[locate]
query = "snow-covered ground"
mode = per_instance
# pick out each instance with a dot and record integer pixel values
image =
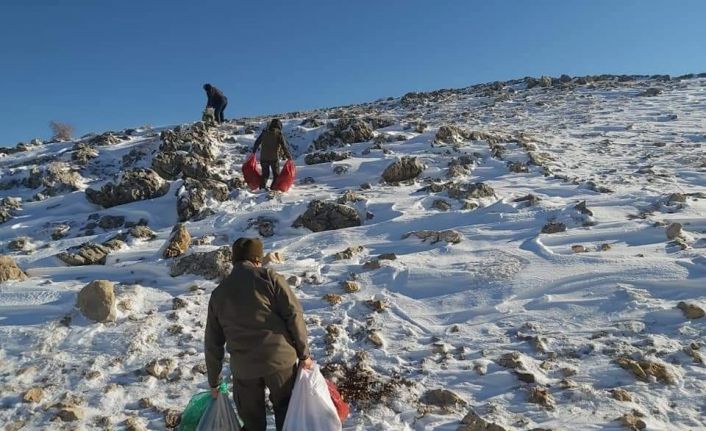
(442, 315)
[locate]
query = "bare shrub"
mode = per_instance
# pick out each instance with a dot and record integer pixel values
(61, 131)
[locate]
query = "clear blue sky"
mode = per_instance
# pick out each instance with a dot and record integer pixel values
(102, 64)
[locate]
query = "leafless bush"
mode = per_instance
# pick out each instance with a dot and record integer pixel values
(61, 131)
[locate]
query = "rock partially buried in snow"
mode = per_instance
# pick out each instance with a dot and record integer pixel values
(473, 422)
(321, 216)
(632, 420)
(435, 236)
(160, 368)
(348, 253)
(9, 270)
(214, 264)
(70, 414)
(33, 395)
(644, 369)
(135, 185)
(97, 301)
(345, 131)
(621, 395)
(408, 168)
(691, 311)
(172, 418)
(179, 242)
(541, 396)
(674, 231)
(273, 257)
(143, 232)
(554, 227)
(442, 398)
(325, 157)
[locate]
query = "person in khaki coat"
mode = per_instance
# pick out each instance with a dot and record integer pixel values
(272, 146)
(255, 314)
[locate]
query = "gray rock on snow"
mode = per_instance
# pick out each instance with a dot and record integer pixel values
(135, 185)
(97, 301)
(674, 231)
(407, 168)
(322, 216)
(326, 157)
(436, 236)
(215, 264)
(442, 398)
(9, 270)
(345, 131)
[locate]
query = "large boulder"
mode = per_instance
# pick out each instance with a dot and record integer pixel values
(97, 301)
(325, 157)
(167, 164)
(345, 131)
(407, 168)
(215, 264)
(9, 270)
(321, 216)
(135, 185)
(90, 253)
(179, 242)
(196, 139)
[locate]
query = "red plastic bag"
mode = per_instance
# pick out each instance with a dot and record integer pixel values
(285, 179)
(252, 172)
(341, 406)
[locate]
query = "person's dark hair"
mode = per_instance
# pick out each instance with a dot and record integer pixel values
(275, 124)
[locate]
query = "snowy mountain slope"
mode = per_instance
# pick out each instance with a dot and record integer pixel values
(529, 329)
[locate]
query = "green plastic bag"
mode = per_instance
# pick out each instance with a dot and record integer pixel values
(197, 406)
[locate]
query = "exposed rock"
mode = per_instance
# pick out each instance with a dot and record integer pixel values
(97, 301)
(179, 242)
(143, 232)
(473, 422)
(435, 236)
(408, 168)
(377, 305)
(134, 424)
(604, 247)
(70, 414)
(510, 360)
(470, 191)
(8, 208)
(375, 339)
(651, 92)
(194, 193)
(441, 205)
(215, 264)
(135, 185)
(531, 199)
(620, 395)
(442, 398)
(644, 369)
(449, 134)
(632, 421)
(172, 418)
(56, 177)
(349, 196)
(294, 281)
(340, 169)
(578, 248)
(387, 256)
(332, 298)
(322, 216)
(372, 265)
(345, 131)
(104, 139)
(676, 198)
(326, 157)
(691, 311)
(674, 231)
(348, 253)
(111, 222)
(179, 303)
(554, 227)
(160, 368)
(9, 270)
(469, 205)
(33, 395)
(273, 257)
(518, 167)
(197, 139)
(83, 153)
(167, 164)
(541, 396)
(89, 253)
(195, 166)
(350, 286)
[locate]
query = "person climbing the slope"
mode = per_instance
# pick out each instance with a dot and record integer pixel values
(216, 100)
(273, 146)
(260, 320)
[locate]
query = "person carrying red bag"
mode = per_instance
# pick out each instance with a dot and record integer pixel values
(273, 146)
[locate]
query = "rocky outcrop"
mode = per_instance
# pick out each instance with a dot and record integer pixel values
(56, 178)
(691, 311)
(9, 270)
(179, 242)
(325, 157)
(321, 216)
(473, 422)
(167, 165)
(345, 131)
(142, 232)
(97, 301)
(135, 185)
(214, 264)
(442, 398)
(407, 168)
(194, 194)
(196, 139)
(83, 153)
(643, 369)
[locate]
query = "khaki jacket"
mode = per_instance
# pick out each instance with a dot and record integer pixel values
(273, 145)
(259, 319)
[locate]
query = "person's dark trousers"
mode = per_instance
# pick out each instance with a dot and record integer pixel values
(267, 167)
(249, 396)
(218, 112)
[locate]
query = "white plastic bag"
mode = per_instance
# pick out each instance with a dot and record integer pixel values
(220, 416)
(311, 407)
